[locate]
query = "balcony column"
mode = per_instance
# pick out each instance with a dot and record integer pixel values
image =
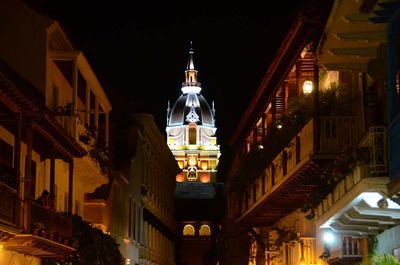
(75, 86)
(106, 129)
(273, 111)
(285, 96)
(87, 104)
(96, 113)
(27, 179)
(17, 162)
(264, 125)
(17, 151)
(70, 186)
(298, 79)
(52, 178)
(28, 162)
(316, 108)
(255, 135)
(391, 53)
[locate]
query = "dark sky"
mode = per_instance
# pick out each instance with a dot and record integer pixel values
(138, 49)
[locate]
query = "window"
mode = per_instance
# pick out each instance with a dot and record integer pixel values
(188, 230)
(192, 135)
(33, 176)
(192, 173)
(204, 230)
(6, 161)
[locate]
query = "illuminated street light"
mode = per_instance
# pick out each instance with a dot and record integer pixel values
(307, 87)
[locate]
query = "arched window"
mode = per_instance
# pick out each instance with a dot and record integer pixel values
(192, 135)
(204, 230)
(188, 230)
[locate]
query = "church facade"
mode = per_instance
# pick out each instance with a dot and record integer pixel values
(191, 136)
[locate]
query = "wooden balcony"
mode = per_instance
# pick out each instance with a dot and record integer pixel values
(75, 127)
(10, 206)
(348, 250)
(353, 207)
(285, 183)
(49, 235)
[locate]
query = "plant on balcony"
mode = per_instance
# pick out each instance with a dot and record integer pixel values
(262, 153)
(89, 134)
(66, 110)
(39, 229)
(94, 247)
(332, 174)
(100, 155)
(334, 101)
(380, 259)
(277, 237)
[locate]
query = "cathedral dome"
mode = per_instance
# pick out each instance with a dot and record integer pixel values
(191, 106)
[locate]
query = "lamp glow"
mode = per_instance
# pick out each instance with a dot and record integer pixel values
(307, 87)
(302, 261)
(328, 237)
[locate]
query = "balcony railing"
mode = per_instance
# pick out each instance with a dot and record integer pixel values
(335, 133)
(376, 142)
(9, 205)
(53, 222)
(75, 127)
(348, 247)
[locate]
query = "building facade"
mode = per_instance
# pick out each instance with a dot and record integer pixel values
(191, 136)
(323, 194)
(137, 205)
(53, 131)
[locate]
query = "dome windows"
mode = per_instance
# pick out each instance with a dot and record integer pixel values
(188, 230)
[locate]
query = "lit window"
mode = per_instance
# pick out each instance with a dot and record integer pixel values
(204, 230)
(192, 135)
(188, 230)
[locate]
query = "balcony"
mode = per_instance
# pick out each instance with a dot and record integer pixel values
(348, 250)
(293, 174)
(357, 206)
(75, 127)
(9, 206)
(50, 234)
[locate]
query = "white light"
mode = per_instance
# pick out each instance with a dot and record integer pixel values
(307, 87)
(191, 89)
(372, 198)
(328, 237)
(128, 261)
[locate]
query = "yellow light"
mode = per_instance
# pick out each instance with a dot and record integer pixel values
(204, 165)
(180, 164)
(128, 261)
(1, 246)
(302, 261)
(192, 161)
(307, 87)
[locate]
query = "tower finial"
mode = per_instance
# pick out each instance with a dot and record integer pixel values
(190, 65)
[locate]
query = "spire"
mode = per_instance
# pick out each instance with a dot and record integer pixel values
(190, 64)
(191, 85)
(168, 111)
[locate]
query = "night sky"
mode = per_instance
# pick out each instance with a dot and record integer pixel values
(139, 49)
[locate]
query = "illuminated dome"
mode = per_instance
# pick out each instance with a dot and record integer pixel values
(191, 106)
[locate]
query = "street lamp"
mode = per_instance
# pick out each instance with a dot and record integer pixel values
(307, 87)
